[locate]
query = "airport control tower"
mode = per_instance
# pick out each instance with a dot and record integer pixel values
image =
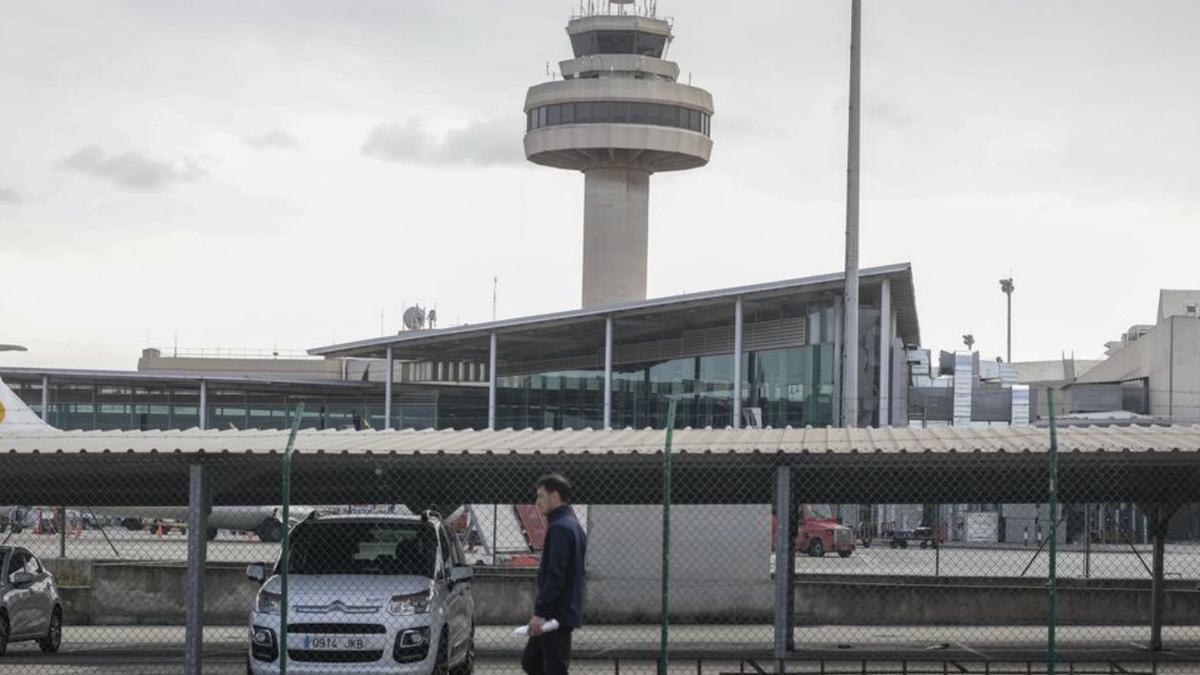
(618, 115)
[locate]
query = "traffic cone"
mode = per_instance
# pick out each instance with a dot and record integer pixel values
(160, 529)
(78, 531)
(37, 525)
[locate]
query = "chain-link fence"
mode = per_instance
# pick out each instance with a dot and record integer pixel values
(426, 560)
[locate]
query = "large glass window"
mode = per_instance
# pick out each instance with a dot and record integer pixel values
(618, 112)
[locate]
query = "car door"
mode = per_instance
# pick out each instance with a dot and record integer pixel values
(41, 599)
(18, 597)
(454, 600)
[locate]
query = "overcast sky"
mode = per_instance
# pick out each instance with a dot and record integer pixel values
(277, 174)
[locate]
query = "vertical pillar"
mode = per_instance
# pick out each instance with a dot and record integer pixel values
(850, 354)
(1159, 523)
(198, 508)
(885, 353)
(608, 371)
(737, 363)
(492, 382)
(46, 399)
(785, 562)
(202, 412)
(389, 372)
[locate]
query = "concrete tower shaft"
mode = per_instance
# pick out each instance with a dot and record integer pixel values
(618, 115)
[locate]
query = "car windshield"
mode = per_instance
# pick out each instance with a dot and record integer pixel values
(820, 511)
(384, 548)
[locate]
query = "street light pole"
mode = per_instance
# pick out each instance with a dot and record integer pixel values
(850, 332)
(1006, 285)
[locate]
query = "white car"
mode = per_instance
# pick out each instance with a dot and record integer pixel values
(367, 594)
(30, 606)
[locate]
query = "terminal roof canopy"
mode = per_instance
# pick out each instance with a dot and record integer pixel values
(572, 333)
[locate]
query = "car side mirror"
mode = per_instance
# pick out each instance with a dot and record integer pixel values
(461, 573)
(20, 578)
(256, 572)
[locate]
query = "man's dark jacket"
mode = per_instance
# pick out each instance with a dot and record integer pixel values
(560, 575)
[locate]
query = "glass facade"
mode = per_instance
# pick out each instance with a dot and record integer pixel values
(788, 386)
(617, 112)
(618, 42)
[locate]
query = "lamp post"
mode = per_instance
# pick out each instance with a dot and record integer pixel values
(1006, 285)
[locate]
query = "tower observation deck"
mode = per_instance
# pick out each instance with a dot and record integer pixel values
(618, 115)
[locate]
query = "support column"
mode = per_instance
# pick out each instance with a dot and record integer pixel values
(737, 363)
(389, 372)
(885, 353)
(202, 412)
(785, 563)
(199, 505)
(608, 371)
(46, 399)
(492, 382)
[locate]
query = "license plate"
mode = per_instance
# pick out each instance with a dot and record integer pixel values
(338, 643)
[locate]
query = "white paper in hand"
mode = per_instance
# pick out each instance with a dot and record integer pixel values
(549, 626)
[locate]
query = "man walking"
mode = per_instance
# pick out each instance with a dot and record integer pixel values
(560, 582)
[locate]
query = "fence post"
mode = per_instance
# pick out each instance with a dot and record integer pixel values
(666, 542)
(1160, 516)
(785, 562)
(199, 504)
(1052, 656)
(285, 554)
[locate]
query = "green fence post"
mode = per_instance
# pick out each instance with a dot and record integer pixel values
(666, 541)
(1052, 656)
(285, 555)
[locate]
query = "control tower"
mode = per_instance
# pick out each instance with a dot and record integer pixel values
(618, 115)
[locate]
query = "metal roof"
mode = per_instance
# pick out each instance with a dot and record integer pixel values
(176, 376)
(903, 301)
(1087, 439)
(444, 469)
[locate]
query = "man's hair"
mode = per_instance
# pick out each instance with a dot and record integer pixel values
(556, 482)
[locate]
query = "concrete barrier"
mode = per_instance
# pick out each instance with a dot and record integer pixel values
(152, 593)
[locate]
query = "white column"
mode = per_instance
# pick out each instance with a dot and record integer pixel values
(885, 353)
(202, 415)
(608, 371)
(389, 372)
(492, 382)
(737, 363)
(46, 399)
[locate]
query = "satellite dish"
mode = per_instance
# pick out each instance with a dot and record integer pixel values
(414, 317)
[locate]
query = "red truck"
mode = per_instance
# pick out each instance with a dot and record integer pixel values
(819, 532)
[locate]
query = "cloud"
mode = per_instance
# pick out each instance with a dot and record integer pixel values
(494, 142)
(130, 169)
(9, 196)
(274, 140)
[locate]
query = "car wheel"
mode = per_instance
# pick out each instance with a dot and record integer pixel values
(270, 531)
(441, 665)
(212, 533)
(53, 639)
(816, 548)
(3, 633)
(845, 554)
(467, 667)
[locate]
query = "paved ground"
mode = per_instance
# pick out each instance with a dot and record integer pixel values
(1109, 561)
(152, 650)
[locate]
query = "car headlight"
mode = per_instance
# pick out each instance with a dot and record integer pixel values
(268, 603)
(414, 603)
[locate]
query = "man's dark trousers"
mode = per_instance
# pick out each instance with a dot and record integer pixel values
(548, 653)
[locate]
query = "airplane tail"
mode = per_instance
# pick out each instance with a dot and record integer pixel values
(15, 416)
